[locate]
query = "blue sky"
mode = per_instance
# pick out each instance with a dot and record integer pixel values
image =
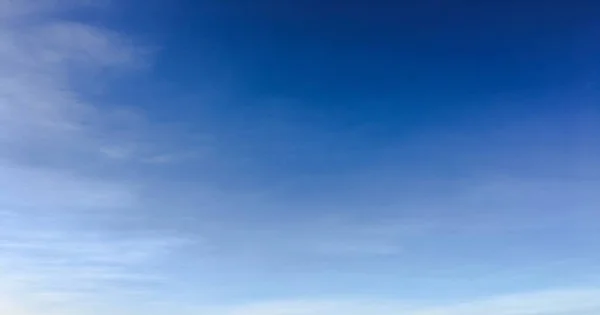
(299, 157)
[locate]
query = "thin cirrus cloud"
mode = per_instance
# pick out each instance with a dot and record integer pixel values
(56, 247)
(84, 228)
(568, 302)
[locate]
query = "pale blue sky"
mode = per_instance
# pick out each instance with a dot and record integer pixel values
(284, 158)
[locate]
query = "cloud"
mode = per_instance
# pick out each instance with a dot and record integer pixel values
(344, 238)
(317, 307)
(43, 188)
(12, 10)
(44, 60)
(62, 215)
(559, 302)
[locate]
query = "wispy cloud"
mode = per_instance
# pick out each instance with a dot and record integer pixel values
(562, 302)
(56, 206)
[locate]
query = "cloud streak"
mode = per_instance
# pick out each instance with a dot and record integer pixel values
(558, 302)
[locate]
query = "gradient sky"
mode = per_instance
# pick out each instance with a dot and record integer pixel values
(433, 157)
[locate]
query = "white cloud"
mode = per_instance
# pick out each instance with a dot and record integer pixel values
(563, 302)
(42, 188)
(11, 10)
(41, 58)
(560, 302)
(57, 244)
(342, 238)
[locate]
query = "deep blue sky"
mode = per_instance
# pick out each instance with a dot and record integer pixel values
(320, 51)
(368, 74)
(410, 63)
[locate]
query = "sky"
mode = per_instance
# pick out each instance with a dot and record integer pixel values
(436, 157)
